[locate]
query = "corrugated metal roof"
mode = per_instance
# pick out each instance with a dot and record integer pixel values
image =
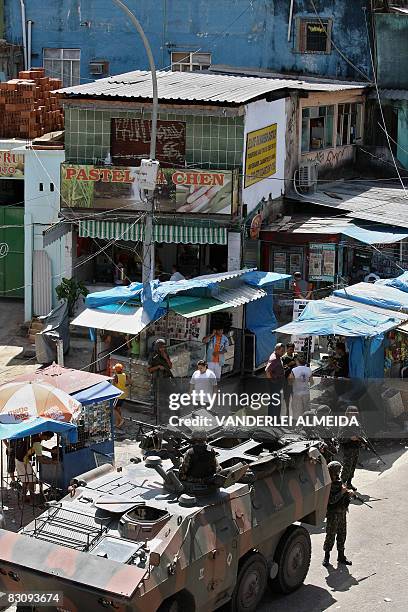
(302, 224)
(197, 87)
(238, 296)
(384, 202)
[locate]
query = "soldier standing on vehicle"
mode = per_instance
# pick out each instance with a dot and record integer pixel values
(199, 463)
(336, 517)
(350, 442)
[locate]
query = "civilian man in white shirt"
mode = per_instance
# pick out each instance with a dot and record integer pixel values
(301, 378)
(203, 383)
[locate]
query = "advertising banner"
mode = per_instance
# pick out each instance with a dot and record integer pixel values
(179, 191)
(11, 165)
(322, 262)
(260, 154)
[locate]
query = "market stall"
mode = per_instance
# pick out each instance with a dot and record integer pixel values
(94, 440)
(182, 313)
(370, 318)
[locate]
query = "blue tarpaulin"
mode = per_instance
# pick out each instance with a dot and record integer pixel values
(372, 294)
(113, 295)
(101, 392)
(257, 278)
(322, 318)
(35, 425)
(261, 321)
(401, 282)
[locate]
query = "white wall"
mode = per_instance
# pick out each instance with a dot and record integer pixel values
(259, 115)
(41, 210)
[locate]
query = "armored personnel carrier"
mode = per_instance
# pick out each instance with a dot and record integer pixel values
(138, 539)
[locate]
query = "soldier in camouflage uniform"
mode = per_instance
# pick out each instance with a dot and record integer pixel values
(199, 463)
(336, 517)
(351, 449)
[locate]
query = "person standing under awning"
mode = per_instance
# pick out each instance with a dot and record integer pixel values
(217, 345)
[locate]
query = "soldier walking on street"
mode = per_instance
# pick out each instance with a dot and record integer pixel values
(336, 525)
(351, 449)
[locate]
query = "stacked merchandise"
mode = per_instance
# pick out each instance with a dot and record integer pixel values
(28, 108)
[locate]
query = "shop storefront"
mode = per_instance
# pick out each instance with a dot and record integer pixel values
(125, 330)
(11, 223)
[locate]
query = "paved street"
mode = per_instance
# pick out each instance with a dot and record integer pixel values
(377, 544)
(377, 539)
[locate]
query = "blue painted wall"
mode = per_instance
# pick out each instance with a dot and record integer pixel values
(244, 33)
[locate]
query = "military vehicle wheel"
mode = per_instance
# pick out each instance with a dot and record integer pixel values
(173, 604)
(293, 558)
(251, 584)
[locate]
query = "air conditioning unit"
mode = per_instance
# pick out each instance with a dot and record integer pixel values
(99, 68)
(307, 177)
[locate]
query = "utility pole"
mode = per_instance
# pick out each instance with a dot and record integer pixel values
(148, 244)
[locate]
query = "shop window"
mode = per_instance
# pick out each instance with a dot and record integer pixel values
(349, 121)
(63, 64)
(317, 128)
(190, 61)
(314, 35)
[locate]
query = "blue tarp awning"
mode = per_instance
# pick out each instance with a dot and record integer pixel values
(372, 294)
(257, 278)
(401, 282)
(103, 391)
(322, 318)
(115, 294)
(35, 425)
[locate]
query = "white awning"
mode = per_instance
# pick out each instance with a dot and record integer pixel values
(125, 319)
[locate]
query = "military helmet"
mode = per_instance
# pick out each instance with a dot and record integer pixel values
(335, 466)
(323, 410)
(198, 435)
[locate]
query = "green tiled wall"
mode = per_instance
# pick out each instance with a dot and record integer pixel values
(211, 142)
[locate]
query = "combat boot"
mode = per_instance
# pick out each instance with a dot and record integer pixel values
(343, 559)
(326, 560)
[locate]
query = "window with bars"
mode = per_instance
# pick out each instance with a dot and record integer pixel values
(349, 121)
(190, 61)
(314, 35)
(317, 128)
(63, 64)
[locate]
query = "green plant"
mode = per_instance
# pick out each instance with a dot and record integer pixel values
(70, 290)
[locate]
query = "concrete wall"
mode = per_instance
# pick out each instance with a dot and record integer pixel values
(236, 32)
(41, 209)
(259, 115)
(391, 34)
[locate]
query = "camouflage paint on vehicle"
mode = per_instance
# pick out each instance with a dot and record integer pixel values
(191, 544)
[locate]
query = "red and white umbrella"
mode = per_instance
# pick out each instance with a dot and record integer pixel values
(22, 400)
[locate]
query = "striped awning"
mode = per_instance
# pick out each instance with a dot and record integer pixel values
(134, 232)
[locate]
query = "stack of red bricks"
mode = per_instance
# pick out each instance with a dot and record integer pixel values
(28, 108)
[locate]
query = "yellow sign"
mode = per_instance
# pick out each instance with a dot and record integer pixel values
(11, 165)
(260, 155)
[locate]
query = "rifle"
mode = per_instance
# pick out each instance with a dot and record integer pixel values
(369, 446)
(360, 499)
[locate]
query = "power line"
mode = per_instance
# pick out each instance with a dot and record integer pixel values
(379, 103)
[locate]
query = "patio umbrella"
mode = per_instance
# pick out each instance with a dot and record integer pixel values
(21, 400)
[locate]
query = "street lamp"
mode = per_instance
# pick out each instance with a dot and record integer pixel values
(148, 244)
